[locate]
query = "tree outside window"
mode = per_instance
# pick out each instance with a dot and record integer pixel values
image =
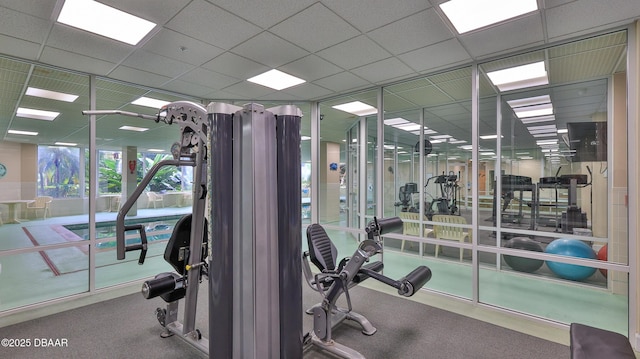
(58, 171)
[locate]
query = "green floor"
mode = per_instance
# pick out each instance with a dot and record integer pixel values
(26, 278)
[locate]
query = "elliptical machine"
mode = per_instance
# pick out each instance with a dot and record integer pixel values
(447, 201)
(405, 197)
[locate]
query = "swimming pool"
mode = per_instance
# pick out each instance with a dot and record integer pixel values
(157, 229)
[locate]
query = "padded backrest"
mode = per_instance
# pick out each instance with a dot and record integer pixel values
(322, 252)
(180, 239)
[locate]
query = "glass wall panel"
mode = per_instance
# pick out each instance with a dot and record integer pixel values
(38, 276)
(127, 148)
(545, 295)
(427, 126)
(42, 183)
(562, 179)
(345, 177)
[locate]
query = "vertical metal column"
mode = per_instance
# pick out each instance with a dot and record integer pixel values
(220, 153)
(257, 333)
(197, 235)
(289, 229)
(255, 305)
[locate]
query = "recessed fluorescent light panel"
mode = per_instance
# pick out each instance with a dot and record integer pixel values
(395, 121)
(534, 110)
(529, 101)
(53, 95)
(538, 119)
(518, 77)
(133, 128)
(26, 133)
(304, 138)
(150, 102)
(65, 144)
(276, 80)
(37, 114)
(357, 108)
(155, 150)
(468, 15)
(490, 137)
(104, 20)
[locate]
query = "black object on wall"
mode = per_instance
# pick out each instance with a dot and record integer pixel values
(587, 141)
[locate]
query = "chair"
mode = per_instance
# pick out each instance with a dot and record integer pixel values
(411, 228)
(42, 203)
(443, 230)
(155, 198)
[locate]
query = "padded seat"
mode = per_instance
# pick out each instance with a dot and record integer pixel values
(323, 254)
(594, 343)
(176, 252)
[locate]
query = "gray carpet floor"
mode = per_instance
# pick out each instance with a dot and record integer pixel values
(126, 328)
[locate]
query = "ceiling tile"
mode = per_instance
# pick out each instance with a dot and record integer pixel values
(36, 8)
(264, 13)
(446, 53)
(150, 62)
(66, 38)
(278, 96)
(136, 76)
(23, 26)
(342, 82)
(506, 37)
(182, 48)
(383, 70)
(310, 68)
(74, 61)
(149, 9)
(354, 52)
(248, 90)
(307, 91)
(209, 79)
(213, 25)
(416, 31)
(269, 50)
(367, 15)
(180, 86)
(19, 48)
(236, 66)
(327, 28)
(571, 19)
(222, 96)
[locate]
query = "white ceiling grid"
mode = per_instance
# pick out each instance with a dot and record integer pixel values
(208, 48)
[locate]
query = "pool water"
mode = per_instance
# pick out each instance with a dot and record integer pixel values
(156, 228)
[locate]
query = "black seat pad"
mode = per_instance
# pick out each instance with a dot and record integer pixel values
(594, 343)
(180, 238)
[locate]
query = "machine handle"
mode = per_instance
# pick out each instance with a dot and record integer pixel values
(138, 246)
(121, 227)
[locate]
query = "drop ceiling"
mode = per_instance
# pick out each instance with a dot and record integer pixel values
(207, 49)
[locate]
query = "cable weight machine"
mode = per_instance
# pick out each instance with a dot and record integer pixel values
(247, 168)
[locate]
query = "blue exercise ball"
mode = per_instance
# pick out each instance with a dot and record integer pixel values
(521, 264)
(571, 248)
